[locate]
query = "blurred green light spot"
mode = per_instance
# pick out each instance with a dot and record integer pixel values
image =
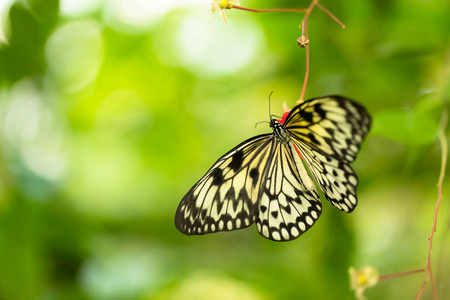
(74, 54)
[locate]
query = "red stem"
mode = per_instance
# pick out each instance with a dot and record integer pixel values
(401, 274)
(305, 31)
(270, 9)
(307, 12)
(444, 149)
(330, 14)
(305, 81)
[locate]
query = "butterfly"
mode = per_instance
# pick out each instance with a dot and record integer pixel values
(267, 179)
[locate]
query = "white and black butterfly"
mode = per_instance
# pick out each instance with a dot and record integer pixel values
(264, 181)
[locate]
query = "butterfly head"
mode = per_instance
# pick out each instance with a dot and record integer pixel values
(278, 130)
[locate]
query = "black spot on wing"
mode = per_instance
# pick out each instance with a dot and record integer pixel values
(230, 194)
(254, 175)
(322, 113)
(343, 152)
(243, 196)
(203, 214)
(287, 209)
(236, 160)
(220, 205)
(313, 139)
(217, 176)
(307, 116)
(331, 131)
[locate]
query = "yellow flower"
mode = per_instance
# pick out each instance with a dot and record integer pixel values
(221, 5)
(364, 278)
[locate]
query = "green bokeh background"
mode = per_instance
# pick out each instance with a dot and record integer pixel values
(111, 110)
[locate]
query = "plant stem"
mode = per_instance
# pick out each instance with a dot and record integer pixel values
(444, 150)
(305, 81)
(330, 14)
(401, 274)
(305, 32)
(271, 9)
(304, 26)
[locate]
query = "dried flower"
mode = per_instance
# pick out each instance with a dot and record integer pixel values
(221, 5)
(364, 278)
(303, 41)
(285, 114)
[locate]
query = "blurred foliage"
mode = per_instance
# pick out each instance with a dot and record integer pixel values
(111, 110)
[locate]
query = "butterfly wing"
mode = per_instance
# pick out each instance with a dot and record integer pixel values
(226, 197)
(328, 133)
(261, 180)
(289, 203)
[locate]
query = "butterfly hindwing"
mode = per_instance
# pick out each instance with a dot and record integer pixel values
(289, 203)
(337, 180)
(328, 133)
(225, 198)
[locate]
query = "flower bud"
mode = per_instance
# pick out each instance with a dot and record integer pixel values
(303, 41)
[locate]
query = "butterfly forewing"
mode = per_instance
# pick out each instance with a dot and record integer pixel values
(226, 197)
(333, 126)
(328, 133)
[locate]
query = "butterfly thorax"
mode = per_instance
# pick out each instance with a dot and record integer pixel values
(279, 131)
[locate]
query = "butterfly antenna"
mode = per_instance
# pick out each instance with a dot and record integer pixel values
(261, 122)
(270, 115)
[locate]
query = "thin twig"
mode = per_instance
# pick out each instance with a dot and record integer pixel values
(270, 9)
(304, 26)
(305, 81)
(330, 14)
(308, 12)
(433, 284)
(444, 149)
(299, 10)
(401, 274)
